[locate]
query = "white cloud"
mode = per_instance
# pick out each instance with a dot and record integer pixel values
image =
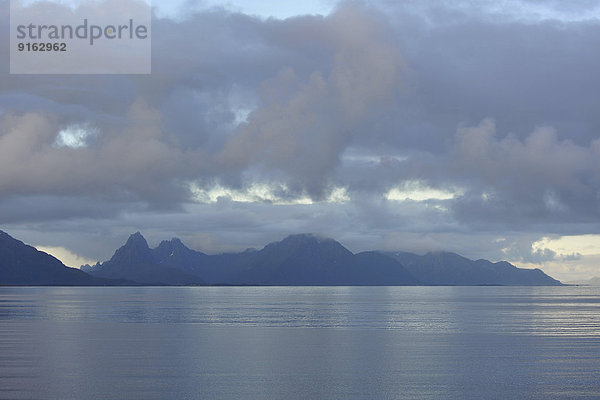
(75, 136)
(416, 190)
(272, 193)
(571, 258)
(588, 245)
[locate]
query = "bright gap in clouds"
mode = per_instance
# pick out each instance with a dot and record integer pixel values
(67, 257)
(575, 257)
(263, 8)
(280, 9)
(74, 136)
(261, 193)
(584, 245)
(73, 3)
(418, 191)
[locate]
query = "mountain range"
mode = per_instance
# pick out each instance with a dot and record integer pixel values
(135, 261)
(308, 259)
(443, 268)
(297, 260)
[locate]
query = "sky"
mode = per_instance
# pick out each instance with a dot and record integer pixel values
(419, 125)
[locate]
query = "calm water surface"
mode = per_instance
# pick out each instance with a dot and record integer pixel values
(300, 343)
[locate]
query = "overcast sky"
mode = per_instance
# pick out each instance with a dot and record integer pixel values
(418, 125)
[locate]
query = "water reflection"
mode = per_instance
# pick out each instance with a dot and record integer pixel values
(298, 343)
(516, 310)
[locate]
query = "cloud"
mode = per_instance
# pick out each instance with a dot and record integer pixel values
(132, 161)
(296, 128)
(262, 193)
(571, 257)
(416, 191)
(540, 178)
(303, 125)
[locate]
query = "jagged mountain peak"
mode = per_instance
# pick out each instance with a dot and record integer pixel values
(136, 239)
(137, 262)
(135, 250)
(171, 247)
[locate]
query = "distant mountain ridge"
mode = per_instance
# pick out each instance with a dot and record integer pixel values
(444, 268)
(305, 259)
(595, 281)
(297, 260)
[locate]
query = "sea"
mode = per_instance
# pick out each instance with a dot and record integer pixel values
(300, 343)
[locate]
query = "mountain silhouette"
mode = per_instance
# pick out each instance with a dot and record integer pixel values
(301, 259)
(444, 268)
(21, 264)
(135, 261)
(307, 259)
(214, 269)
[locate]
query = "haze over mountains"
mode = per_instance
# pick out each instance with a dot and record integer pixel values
(595, 281)
(302, 259)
